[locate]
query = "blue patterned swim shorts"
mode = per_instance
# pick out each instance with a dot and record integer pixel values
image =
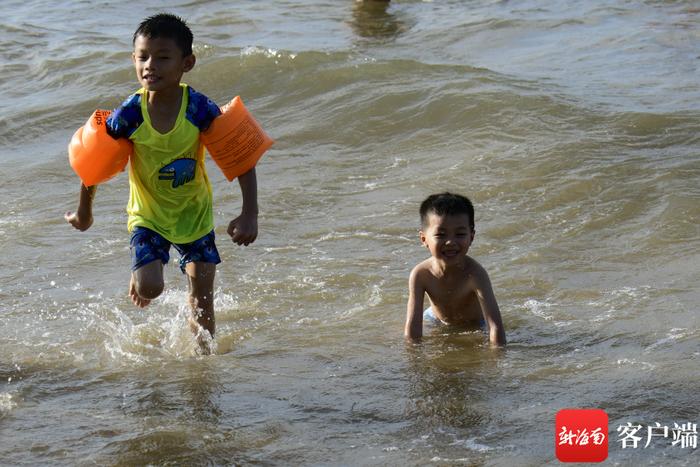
(147, 246)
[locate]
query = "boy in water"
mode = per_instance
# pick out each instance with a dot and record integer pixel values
(458, 287)
(170, 198)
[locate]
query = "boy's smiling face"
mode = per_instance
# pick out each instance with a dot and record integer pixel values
(447, 237)
(159, 63)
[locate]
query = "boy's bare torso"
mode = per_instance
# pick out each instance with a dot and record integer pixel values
(453, 291)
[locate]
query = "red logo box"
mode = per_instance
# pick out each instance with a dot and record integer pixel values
(581, 435)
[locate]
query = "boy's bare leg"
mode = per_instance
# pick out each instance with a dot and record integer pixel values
(146, 283)
(201, 279)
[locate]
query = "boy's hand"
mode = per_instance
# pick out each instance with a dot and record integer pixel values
(81, 223)
(244, 229)
(82, 218)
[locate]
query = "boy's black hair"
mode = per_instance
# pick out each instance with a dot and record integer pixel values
(169, 26)
(446, 204)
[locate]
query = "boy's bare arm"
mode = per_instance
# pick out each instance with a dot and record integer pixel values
(413, 328)
(489, 307)
(82, 219)
(244, 228)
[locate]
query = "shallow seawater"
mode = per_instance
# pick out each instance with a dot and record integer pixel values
(573, 128)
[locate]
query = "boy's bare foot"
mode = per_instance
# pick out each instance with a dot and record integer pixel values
(138, 300)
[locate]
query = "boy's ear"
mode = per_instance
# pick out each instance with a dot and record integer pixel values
(189, 62)
(422, 237)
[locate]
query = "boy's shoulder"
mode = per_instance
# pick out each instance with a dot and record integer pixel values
(473, 268)
(477, 276)
(425, 273)
(201, 110)
(422, 268)
(126, 118)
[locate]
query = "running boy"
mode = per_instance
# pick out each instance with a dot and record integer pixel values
(458, 287)
(170, 199)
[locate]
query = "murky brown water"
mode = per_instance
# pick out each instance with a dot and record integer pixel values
(574, 129)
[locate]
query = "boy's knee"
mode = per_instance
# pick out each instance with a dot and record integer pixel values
(149, 289)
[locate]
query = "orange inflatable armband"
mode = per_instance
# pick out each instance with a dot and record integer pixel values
(235, 140)
(94, 155)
